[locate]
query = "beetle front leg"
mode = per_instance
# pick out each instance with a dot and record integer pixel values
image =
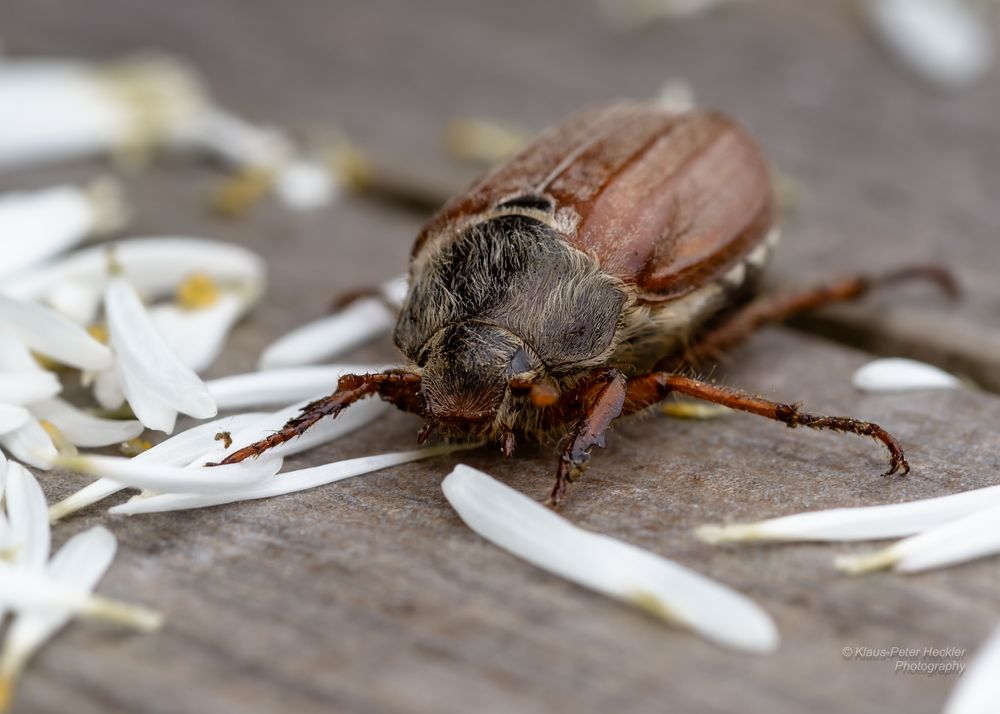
(649, 389)
(399, 388)
(602, 403)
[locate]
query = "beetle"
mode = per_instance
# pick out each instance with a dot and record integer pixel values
(580, 281)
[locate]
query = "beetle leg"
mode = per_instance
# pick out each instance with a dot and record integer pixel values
(649, 389)
(602, 403)
(399, 388)
(776, 308)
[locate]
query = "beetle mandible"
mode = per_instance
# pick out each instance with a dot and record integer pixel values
(581, 280)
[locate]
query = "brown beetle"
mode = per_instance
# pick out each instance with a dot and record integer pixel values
(573, 284)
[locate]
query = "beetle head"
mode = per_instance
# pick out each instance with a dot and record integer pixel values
(468, 369)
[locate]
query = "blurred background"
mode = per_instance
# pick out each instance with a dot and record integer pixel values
(884, 134)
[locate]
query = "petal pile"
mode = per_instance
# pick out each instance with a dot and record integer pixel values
(43, 594)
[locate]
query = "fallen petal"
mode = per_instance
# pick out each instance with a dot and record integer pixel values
(281, 386)
(197, 336)
(359, 322)
(27, 514)
(867, 523)
(354, 417)
(663, 588)
(942, 40)
(83, 429)
(978, 691)
(15, 355)
(147, 365)
(40, 224)
(27, 590)
(53, 335)
(156, 266)
(284, 483)
(968, 538)
(26, 387)
(179, 450)
(30, 444)
(12, 417)
(896, 374)
(172, 479)
(78, 566)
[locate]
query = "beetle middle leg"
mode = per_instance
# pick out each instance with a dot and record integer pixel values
(603, 401)
(776, 308)
(647, 390)
(396, 387)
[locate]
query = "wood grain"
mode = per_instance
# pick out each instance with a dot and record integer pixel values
(370, 595)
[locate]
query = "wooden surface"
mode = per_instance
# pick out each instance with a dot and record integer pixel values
(370, 595)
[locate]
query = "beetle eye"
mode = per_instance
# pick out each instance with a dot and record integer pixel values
(519, 362)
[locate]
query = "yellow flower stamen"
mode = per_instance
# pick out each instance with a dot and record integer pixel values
(351, 167)
(241, 191)
(99, 332)
(134, 447)
(197, 292)
(59, 440)
(481, 140)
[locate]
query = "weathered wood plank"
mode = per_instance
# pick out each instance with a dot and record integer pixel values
(371, 595)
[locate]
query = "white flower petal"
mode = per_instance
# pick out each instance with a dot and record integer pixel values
(147, 405)
(281, 386)
(178, 450)
(284, 483)
(27, 387)
(357, 323)
(942, 40)
(156, 266)
(240, 143)
(107, 388)
(157, 99)
(55, 336)
(83, 429)
(305, 185)
(78, 565)
(28, 515)
(146, 361)
(352, 418)
(896, 374)
(172, 479)
(27, 590)
(15, 355)
(30, 444)
(39, 224)
(12, 417)
(197, 336)
(978, 691)
(394, 290)
(868, 523)
(79, 302)
(970, 537)
(667, 590)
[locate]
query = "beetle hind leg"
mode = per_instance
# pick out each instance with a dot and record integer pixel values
(399, 388)
(649, 389)
(776, 308)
